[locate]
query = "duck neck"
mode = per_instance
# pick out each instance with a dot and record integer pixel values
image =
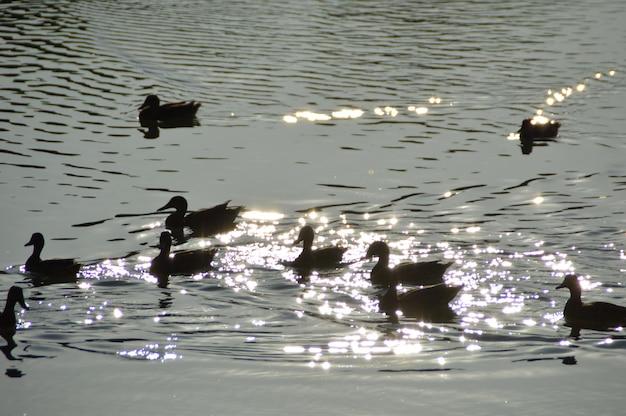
(36, 256)
(165, 246)
(389, 303)
(575, 296)
(9, 309)
(307, 245)
(383, 259)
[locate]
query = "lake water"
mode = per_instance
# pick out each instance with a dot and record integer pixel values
(367, 120)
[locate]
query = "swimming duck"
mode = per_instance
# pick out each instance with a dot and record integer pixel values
(324, 257)
(8, 321)
(429, 304)
(591, 315)
(151, 109)
(207, 221)
(420, 273)
(182, 262)
(539, 127)
(52, 270)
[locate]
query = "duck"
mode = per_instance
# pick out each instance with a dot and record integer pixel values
(420, 273)
(324, 257)
(52, 270)
(183, 262)
(8, 321)
(589, 315)
(429, 304)
(539, 127)
(152, 110)
(207, 221)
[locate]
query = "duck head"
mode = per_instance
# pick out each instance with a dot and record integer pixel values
(36, 240)
(178, 202)
(16, 295)
(305, 235)
(152, 101)
(165, 242)
(378, 249)
(571, 282)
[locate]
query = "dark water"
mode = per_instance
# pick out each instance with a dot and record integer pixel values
(369, 121)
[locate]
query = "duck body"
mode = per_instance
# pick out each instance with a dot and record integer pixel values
(183, 262)
(430, 304)
(420, 273)
(152, 110)
(590, 315)
(539, 128)
(321, 258)
(208, 221)
(8, 322)
(52, 270)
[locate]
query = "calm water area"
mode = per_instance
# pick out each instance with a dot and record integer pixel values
(369, 120)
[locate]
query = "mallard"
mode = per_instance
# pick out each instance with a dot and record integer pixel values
(207, 221)
(181, 262)
(324, 257)
(8, 321)
(52, 270)
(151, 109)
(590, 315)
(539, 127)
(420, 273)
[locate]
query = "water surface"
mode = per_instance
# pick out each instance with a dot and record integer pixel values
(367, 120)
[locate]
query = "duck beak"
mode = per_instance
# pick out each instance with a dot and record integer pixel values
(166, 206)
(30, 243)
(561, 286)
(22, 302)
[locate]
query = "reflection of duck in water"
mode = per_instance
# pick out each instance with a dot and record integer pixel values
(52, 270)
(182, 262)
(151, 109)
(420, 273)
(591, 315)
(207, 221)
(8, 322)
(538, 128)
(324, 257)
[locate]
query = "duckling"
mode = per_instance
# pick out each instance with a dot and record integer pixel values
(539, 127)
(590, 315)
(421, 273)
(182, 262)
(52, 270)
(151, 109)
(324, 257)
(207, 221)
(430, 304)
(8, 321)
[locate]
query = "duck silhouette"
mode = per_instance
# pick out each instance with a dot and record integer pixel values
(539, 127)
(429, 304)
(204, 222)
(590, 315)
(324, 257)
(52, 270)
(420, 273)
(152, 110)
(183, 262)
(8, 322)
